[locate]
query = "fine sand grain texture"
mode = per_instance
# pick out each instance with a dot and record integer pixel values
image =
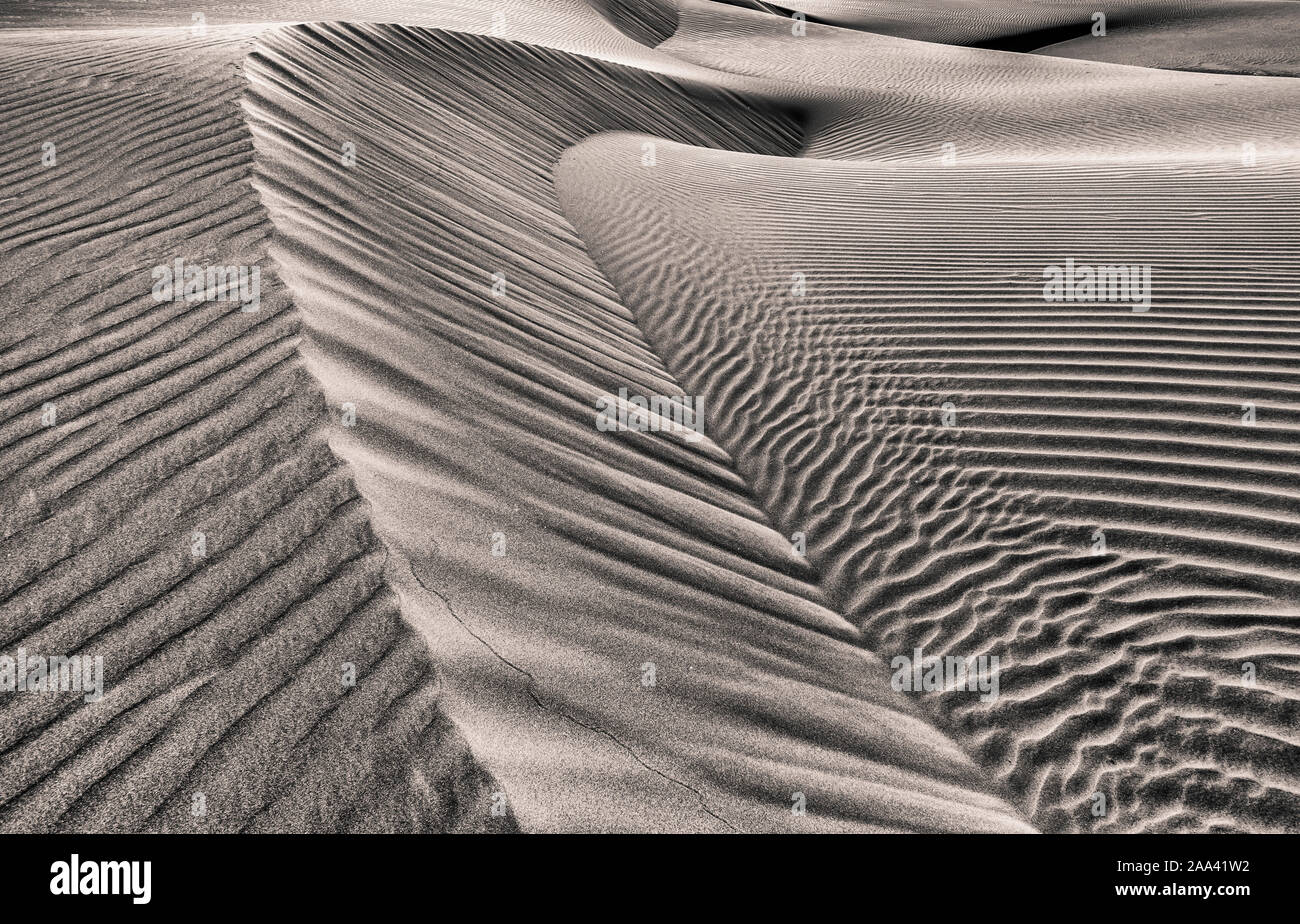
(476, 410)
(1096, 512)
(169, 500)
(358, 554)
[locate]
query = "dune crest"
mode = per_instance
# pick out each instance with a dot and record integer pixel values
(1221, 36)
(601, 415)
(170, 504)
(624, 556)
(1084, 490)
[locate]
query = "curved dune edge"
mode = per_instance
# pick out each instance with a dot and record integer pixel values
(169, 501)
(622, 553)
(201, 715)
(224, 430)
(1122, 665)
(649, 22)
(886, 99)
(1124, 668)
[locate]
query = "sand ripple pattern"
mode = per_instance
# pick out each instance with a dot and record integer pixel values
(223, 672)
(1123, 667)
(476, 409)
(466, 240)
(892, 99)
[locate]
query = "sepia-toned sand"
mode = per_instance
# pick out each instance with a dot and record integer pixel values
(473, 220)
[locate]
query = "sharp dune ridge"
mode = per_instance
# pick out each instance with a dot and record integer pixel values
(360, 559)
(689, 566)
(171, 421)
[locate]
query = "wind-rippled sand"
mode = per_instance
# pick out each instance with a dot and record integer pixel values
(475, 219)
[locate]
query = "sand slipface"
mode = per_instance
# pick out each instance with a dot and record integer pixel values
(600, 415)
(663, 651)
(170, 505)
(987, 466)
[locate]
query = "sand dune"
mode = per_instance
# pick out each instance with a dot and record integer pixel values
(649, 552)
(1225, 36)
(222, 670)
(473, 221)
(924, 286)
(978, 538)
(917, 97)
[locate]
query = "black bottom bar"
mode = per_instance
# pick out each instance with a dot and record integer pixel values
(952, 874)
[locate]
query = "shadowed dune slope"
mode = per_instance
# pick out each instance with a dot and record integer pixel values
(1223, 38)
(1097, 511)
(621, 28)
(893, 99)
(464, 242)
(644, 651)
(647, 21)
(168, 501)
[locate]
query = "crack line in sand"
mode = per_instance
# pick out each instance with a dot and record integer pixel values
(560, 712)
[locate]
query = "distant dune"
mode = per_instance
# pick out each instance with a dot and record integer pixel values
(359, 554)
(1225, 36)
